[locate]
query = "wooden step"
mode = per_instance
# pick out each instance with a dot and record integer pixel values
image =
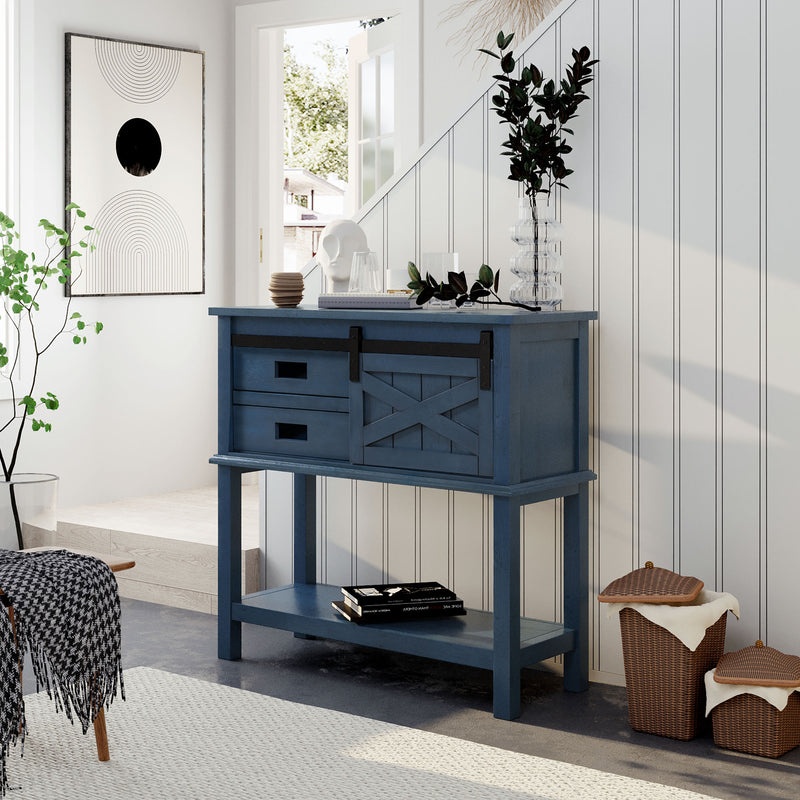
(171, 538)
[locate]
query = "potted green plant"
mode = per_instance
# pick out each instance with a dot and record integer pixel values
(25, 282)
(537, 112)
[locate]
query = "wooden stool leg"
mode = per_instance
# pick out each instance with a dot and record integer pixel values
(100, 734)
(101, 737)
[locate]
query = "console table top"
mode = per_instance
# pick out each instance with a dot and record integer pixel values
(493, 316)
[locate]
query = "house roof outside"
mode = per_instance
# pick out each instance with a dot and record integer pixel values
(297, 180)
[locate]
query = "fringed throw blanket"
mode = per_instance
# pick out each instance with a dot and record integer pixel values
(67, 615)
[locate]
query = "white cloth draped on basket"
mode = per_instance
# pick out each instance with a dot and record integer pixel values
(67, 616)
(685, 621)
(716, 693)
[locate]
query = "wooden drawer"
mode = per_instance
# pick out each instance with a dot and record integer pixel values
(257, 369)
(291, 431)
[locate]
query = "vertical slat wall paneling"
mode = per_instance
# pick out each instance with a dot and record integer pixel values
(468, 548)
(262, 533)
(741, 346)
(577, 215)
(698, 288)
(719, 315)
(372, 225)
(594, 351)
(434, 199)
(676, 285)
(783, 302)
(488, 549)
(369, 533)
(401, 533)
(655, 110)
(678, 228)
(340, 555)
(322, 562)
(539, 559)
(763, 307)
(614, 551)
(434, 536)
(577, 206)
(401, 226)
(635, 284)
(279, 517)
(468, 189)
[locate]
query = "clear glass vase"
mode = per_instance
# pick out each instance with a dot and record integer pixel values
(537, 263)
(28, 510)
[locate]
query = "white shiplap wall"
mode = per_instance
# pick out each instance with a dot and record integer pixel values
(680, 229)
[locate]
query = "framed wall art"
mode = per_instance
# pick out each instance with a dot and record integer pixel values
(135, 126)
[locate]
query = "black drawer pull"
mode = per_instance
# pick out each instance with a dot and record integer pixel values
(297, 370)
(290, 430)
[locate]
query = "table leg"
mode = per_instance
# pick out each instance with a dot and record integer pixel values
(576, 587)
(229, 583)
(305, 528)
(506, 667)
(305, 532)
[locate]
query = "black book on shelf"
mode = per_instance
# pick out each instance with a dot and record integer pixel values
(377, 594)
(402, 613)
(405, 609)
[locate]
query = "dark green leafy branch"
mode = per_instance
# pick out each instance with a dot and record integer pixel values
(457, 288)
(537, 111)
(23, 278)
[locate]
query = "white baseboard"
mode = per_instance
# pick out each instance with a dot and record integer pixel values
(612, 678)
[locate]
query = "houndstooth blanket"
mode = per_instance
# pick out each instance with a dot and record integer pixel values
(67, 616)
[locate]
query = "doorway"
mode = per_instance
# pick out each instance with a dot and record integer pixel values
(317, 95)
(259, 176)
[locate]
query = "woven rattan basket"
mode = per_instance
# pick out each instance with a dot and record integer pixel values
(663, 677)
(750, 724)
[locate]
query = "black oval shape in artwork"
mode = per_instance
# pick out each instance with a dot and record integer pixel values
(138, 147)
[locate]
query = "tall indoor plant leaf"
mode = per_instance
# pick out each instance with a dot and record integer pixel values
(24, 282)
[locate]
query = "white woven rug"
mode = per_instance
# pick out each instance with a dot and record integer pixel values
(178, 738)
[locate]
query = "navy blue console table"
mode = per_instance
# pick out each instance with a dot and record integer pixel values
(478, 401)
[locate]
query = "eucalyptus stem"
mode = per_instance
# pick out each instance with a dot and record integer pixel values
(15, 511)
(500, 302)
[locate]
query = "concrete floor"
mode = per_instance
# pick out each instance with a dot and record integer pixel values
(590, 729)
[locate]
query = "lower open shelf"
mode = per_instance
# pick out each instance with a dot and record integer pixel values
(468, 639)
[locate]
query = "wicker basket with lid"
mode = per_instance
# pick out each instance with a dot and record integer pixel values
(663, 677)
(750, 724)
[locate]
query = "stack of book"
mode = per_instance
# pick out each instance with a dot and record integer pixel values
(393, 602)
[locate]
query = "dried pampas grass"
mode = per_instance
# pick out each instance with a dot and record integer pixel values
(484, 18)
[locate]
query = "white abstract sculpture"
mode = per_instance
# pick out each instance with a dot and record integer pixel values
(337, 243)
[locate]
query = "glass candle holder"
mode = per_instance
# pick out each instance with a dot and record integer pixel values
(364, 275)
